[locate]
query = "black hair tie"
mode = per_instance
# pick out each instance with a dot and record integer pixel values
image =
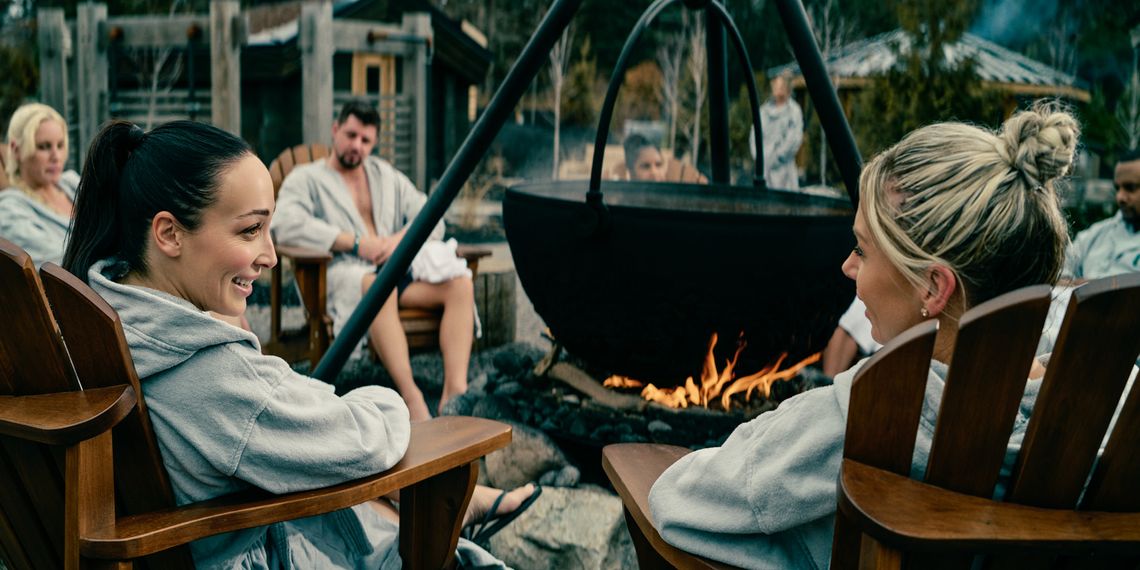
(135, 137)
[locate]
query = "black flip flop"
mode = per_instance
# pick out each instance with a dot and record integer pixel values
(492, 523)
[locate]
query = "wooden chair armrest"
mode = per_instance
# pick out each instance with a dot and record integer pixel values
(65, 418)
(304, 255)
(437, 446)
(897, 511)
(633, 468)
(472, 252)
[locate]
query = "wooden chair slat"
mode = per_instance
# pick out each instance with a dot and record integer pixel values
(899, 369)
(28, 365)
(1098, 343)
(286, 162)
(1113, 484)
(35, 546)
(101, 358)
(12, 553)
(318, 151)
(302, 154)
(984, 369)
(276, 175)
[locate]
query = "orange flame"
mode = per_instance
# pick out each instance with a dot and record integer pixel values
(617, 381)
(713, 384)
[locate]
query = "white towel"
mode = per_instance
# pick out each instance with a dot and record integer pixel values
(437, 262)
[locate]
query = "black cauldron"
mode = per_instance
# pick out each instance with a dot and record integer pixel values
(677, 262)
(635, 278)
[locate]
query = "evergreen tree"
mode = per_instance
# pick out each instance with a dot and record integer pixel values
(923, 87)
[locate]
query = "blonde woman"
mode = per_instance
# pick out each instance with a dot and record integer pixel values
(951, 216)
(36, 208)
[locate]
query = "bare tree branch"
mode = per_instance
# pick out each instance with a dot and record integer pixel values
(697, 66)
(559, 64)
(669, 58)
(1128, 110)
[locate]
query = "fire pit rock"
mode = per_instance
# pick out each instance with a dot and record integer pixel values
(579, 527)
(531, 456)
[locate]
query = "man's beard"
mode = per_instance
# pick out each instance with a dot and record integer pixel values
(1129, 218)
(348, 161)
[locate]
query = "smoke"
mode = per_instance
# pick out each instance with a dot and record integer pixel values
(1014, 23)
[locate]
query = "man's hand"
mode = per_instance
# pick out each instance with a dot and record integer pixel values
(378, 249)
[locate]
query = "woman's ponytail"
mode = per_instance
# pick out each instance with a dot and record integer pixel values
(96, 230)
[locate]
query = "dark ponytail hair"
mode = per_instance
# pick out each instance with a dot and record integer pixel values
(129, 176)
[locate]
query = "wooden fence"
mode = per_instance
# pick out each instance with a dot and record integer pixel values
(79, 73)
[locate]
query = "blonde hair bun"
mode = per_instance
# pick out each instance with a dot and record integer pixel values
(1040, 142)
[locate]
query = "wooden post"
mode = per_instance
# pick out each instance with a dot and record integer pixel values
(55, 48)
(495, 297)
(227, 31)
(91, 75)
(314, 37)
(417, 74)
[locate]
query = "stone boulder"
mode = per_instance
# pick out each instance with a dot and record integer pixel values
(582, 528)
(531, 456)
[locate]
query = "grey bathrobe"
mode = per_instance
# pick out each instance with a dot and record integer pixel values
(767, 497)
(314, 206)
(228, 418)
(30, 224)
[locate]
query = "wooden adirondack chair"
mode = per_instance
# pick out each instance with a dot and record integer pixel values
(886, 519)
(82, 475)
(420, 325)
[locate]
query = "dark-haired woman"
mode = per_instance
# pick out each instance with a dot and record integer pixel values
(173, 223)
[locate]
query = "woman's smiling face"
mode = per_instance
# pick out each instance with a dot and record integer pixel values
(226, 253)
(893, 302)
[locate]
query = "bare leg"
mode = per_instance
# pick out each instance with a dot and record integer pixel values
(456, 328)
(385, 508)
(388, 339)
(840, 353)
(481, 501)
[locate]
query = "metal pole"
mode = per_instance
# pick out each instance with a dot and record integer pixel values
(533, 57)
(839, 136)
(718, 98)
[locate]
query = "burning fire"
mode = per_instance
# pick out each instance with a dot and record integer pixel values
(714, 384)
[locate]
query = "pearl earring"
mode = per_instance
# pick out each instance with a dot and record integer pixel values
(924, 313)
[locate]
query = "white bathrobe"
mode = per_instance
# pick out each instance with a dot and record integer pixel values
(314, 206)
(30, 224)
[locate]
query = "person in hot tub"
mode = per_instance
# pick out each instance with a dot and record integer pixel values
(767, 497)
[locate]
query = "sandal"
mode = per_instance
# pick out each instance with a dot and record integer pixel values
(480, 533)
